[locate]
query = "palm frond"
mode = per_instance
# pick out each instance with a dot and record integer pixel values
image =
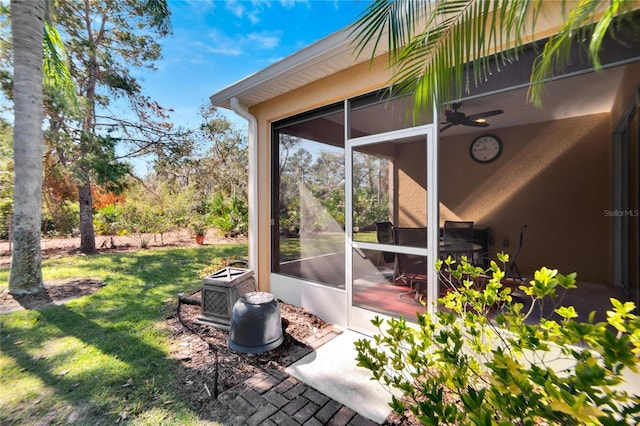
(396, 18)
(443, 47)
(55, 70)
(578, 25)
(438, 49)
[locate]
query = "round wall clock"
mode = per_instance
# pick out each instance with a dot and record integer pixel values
(485, 148)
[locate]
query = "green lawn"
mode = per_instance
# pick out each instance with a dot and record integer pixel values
(321, 243)
(103, 356)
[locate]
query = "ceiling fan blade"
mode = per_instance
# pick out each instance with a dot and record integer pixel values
(472, 123)
(446, 127)
(484, 114)
(449, 114)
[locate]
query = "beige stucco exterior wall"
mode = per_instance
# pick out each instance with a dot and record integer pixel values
(411, 185)
(553, 177)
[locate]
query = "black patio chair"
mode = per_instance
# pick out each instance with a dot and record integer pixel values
(384, 233)
(458, 232)
(512, 268)
(410, 268)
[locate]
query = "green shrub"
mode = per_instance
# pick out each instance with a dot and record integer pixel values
(230, 215)
(482, 361)
(61, 219)
(6, 177)
(141, 222)
(108, 220)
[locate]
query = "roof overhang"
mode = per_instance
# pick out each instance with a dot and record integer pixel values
(337, 52)
(327, 56)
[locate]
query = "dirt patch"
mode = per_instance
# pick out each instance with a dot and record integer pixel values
(63, 247)
(54, 292)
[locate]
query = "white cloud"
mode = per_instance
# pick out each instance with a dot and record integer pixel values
(266, 39)
(201, 6)
(236, 8)
(197, 59)
(235, 45)
(287, 4)
(253, 17)
(257, 7)
(221, 44)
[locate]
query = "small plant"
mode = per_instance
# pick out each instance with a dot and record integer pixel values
(482, 361)
(198, 226)
(140, 223)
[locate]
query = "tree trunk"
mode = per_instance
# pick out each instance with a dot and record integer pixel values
(27, 26)
(87, 235)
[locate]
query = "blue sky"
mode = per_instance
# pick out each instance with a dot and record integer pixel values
(216, 43)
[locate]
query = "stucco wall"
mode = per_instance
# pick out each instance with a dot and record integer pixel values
(411, 185)
(553, 177)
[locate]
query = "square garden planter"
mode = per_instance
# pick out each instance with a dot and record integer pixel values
(220, 291)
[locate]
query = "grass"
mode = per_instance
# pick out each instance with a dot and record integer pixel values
(102, 358)
(317, 244)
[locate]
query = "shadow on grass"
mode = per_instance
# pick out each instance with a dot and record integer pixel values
(100, 388)
(119, 363)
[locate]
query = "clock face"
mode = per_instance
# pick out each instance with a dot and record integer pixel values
(486, 148)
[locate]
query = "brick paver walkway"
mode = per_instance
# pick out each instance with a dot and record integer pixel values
(276, 398)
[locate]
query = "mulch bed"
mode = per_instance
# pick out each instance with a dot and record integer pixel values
(208, 367)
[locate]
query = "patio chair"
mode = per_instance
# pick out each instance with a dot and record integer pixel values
(456, 232)
(410, 268)
(512, 268)
(384, 233)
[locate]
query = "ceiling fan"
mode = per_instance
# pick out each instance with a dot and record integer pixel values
(455, 118)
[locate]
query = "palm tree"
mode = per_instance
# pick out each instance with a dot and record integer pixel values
(27, 27)
(433, 44)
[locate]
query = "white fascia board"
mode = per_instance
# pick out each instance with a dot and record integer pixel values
(335, 46)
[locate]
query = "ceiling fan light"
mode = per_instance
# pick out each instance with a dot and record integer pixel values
(480, 120)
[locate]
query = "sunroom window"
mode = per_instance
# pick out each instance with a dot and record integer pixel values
(308, 201)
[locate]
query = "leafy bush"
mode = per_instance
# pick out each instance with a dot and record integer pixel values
(6, 177)
(61, 219)
(483, 361)
(108, 220)
(230, 215)
(142, 221)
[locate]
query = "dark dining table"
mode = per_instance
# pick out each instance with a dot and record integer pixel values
(456, 249)
(460, 247)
